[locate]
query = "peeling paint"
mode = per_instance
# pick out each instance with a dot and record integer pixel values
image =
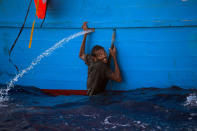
(157, 21)
(193, 44)
(6, 43)
(169, 76)
(184, 0)
(186, 20)
(175, 63)
(6, 73)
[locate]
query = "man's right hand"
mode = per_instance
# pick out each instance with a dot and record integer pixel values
(85, 27)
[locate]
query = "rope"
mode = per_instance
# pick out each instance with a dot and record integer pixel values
(11, 49)
(32, 30)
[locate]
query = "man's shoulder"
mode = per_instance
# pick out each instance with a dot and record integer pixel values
(88, 56)
(88, 59)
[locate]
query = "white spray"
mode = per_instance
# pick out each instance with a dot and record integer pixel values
(191, 100)
(4, 92)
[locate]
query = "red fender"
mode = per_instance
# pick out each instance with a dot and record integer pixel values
(41, 9)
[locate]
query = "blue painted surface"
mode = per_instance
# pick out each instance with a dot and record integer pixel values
(156, 42)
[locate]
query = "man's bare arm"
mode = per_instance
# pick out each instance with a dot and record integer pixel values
(116, 76)
(82, 49)
(112, 46)
(109, 58)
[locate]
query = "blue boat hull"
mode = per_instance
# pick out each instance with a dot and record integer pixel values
(156, 42)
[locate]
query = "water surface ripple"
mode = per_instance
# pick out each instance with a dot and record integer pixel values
(148, 109)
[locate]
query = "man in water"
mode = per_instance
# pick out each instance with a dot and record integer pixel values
(99, 71)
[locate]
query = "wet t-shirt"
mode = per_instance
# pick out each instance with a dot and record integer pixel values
(98, 76)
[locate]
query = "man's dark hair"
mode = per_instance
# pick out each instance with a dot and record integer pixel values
(96, 48)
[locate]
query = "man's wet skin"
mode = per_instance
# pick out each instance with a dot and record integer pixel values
(99, 72)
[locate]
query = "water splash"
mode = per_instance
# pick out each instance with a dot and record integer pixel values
(4, 92)
(191, 100)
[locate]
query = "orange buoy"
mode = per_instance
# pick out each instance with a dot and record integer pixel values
(41, 8)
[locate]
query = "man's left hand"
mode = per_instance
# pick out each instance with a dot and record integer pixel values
(113, 51)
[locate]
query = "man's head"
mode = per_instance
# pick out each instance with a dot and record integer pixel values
(99, 53)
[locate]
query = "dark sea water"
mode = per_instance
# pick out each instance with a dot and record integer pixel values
(146, 109)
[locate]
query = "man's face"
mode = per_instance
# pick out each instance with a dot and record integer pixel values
(101, 55)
